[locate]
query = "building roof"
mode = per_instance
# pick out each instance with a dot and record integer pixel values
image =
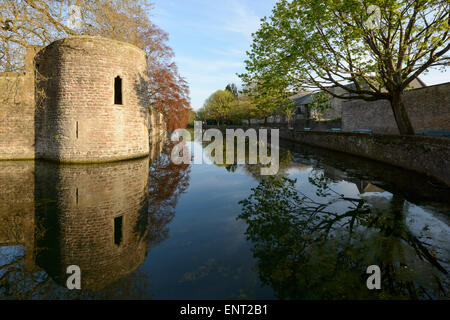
(306, 97)
(302, 97)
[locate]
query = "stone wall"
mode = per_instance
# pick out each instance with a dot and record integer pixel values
(77, 119)
(428, 109)
(336, 105)
(16, 117)
(17, 111)
(427, 155)
(317, 125)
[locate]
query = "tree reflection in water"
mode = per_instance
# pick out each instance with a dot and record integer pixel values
(311, 249)
(167, 181)
(254, 170)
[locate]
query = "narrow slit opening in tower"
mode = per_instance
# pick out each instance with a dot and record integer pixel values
(117, 90)
(118, 230)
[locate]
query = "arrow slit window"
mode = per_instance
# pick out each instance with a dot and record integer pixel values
(118, 90)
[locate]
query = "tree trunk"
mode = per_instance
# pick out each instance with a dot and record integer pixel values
(401, 116)
(265, 121)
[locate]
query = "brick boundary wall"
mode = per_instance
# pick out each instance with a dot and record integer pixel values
(427, 155)
(428, 109)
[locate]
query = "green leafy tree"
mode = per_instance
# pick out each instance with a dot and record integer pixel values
(201, 115)
(317, 44)
(286, 109)
(245, 109)
(235, 113)
(231, 87)
(270, 97)
(218, 105)
(320, 104)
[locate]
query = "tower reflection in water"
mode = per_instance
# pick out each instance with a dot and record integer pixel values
(94, 216)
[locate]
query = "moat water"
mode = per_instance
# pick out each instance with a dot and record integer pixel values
(150, 229)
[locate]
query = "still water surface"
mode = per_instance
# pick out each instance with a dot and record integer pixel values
(150, 229)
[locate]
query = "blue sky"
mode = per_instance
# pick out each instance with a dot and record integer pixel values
(210, 38)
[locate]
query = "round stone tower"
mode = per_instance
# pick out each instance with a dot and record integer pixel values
(91, 101)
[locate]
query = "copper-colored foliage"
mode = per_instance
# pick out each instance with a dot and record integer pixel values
(167, 181)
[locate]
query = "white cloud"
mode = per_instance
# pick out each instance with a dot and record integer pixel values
(242, 20)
